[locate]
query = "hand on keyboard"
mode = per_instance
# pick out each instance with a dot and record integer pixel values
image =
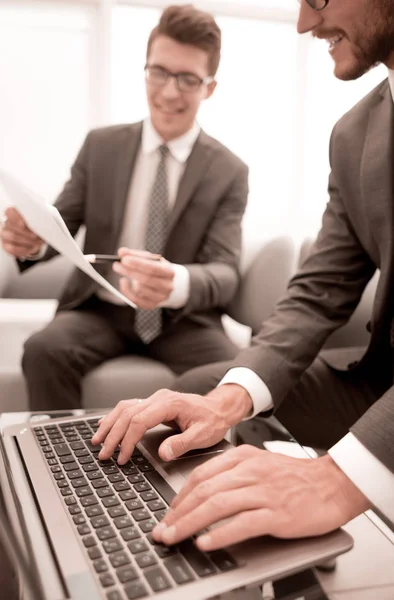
(203, 421)
(260, 493)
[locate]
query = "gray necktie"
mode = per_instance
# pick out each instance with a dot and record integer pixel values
(148, 323)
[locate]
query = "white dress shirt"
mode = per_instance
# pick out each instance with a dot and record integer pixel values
(135, 219)
(374, 479)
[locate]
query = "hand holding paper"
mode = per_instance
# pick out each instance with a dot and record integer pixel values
(46, 222)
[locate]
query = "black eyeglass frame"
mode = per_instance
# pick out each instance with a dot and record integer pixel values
(199, 81)
(312, 2)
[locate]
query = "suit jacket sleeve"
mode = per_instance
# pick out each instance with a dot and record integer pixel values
(70, 203)
(375, 429)
(320, 298)
(214, 276)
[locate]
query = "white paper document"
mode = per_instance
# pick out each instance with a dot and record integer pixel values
(46, 222)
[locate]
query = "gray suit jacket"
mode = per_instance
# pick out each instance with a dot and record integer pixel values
(356, 238)
(205, 223)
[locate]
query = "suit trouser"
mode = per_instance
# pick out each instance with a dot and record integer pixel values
(56, 358)
(320, 409)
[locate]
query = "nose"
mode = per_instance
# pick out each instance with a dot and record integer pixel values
(308, 19)
(170, 90)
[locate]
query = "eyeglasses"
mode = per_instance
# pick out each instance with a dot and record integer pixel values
(316, 4)
(185, 82)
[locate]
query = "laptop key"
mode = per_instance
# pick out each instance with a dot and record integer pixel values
(75, 474)
(116, 511)
(178, 569)
(160, 485)
(147, 526)
(79, 519)
(100, 565)
(196, 559)
(146, 559)
(113, 545)
(79, 482)
(119, 559)
(120, 486)
(105, 533)
(137, 546)
(157, 579)
(130, 533)
(94, 552)
(74, 509)
(114, 595)
(83, 491)
(134, 504)
(110, 501)
(165, 551)
(135, 590)
(156, 505)
(149, 495)
(89, 541)
(66, 491)
(84, 460)
(90, 468)
(99, 483)
(128, 495)
(122, 522)
(94, 511)
(141, 514)
(105, 491)
(107, 580)
(72, 466)
(99, 521)
(71, 500)
(88, 501)
(67, 459)
(126, 574)
(223, 560)
(83, 529)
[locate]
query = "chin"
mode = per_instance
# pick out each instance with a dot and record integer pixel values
(350, 70)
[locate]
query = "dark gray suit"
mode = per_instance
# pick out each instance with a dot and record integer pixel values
(341, 389)
(204, 234)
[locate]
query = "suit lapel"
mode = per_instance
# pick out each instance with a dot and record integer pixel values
(377, 189)
(196, 165)
(125, 165)
(377, 165)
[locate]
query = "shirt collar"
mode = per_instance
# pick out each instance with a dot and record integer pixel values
(180, 147)
(391, 82)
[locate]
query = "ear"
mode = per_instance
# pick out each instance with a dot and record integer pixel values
(211, 87)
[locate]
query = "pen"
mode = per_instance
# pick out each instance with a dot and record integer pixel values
(95, 259)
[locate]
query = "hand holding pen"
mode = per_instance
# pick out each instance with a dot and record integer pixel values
(147, 278)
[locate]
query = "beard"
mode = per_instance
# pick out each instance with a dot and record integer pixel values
(375, 41)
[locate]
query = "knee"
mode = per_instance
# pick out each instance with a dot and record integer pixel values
(40, 349)
(201, 380)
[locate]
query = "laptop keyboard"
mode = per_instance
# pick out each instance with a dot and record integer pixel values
(114, 509)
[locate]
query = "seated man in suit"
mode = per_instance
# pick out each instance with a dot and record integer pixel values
(346, 405)
(161, 188)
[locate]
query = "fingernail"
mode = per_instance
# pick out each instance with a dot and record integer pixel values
(168, 536)
(204, 542)
(168, 452)
(158, 530)
(121, 459)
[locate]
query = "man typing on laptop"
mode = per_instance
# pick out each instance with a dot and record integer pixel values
(332, 403)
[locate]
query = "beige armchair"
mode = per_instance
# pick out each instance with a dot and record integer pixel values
(266, 270)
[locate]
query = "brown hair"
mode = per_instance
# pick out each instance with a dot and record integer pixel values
(187, 25)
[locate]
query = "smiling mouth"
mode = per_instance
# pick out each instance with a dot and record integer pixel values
(334, 41)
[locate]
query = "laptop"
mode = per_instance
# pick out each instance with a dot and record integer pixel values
(83, 526)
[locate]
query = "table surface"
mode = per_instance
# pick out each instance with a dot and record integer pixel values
(364, 573)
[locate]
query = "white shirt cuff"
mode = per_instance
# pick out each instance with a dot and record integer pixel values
(256, 388)
(371, 477)
(38, 254)
(181, 288)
